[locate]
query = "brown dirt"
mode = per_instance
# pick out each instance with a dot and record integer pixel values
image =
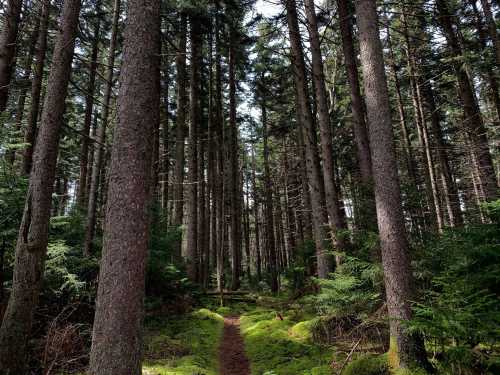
(232, 358)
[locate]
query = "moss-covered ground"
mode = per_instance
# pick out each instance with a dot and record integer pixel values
(281, 345)
(183, 346)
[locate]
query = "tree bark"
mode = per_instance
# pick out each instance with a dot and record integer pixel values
(8, 44)
(268, 193)
(333, 205)
(97, 169)
(180, 125)
(394, 244)
(234, 180)
(11, 155)
(367, 213)
(33, 232)
(117, 332)
(36, 88)
(194, 125)
(255, 198)
(307, 126)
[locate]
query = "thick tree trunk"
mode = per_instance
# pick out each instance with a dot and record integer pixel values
(367, 210)
(8, 44)
(194, 125)
(333, 205)
(394, 244)
(307, 126)
(36, 88)
(33, 232)
(97, 169)
(180, 125)
(473, 120)
(81, 196)
(116, 340)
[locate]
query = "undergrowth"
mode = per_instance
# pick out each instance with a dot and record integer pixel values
(283, 347)
(183, 346)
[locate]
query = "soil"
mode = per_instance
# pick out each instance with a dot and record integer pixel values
(232, 358)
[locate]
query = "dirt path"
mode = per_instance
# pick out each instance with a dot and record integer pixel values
(232, 358)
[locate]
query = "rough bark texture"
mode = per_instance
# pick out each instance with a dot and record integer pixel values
(33, 232)
(394, 245)
(194, 125)
(116, 341)
(101, 137)
(307, 126)
(180, 124)
(8, 48)
(36, 88)
(367, 210)
(333, 204)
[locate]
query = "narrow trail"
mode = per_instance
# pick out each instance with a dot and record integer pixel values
(232, 358)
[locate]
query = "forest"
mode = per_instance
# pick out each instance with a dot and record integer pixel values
(249, 187)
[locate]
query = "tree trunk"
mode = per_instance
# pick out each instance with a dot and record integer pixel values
(367, 213)
(97, 169)
(255, 197)
(33, 232)
(194, 125)
(393, 241)
(337, 219)
(81, 198)
(268, 193)
(306, 123)
(234, 181)
(117, 332)
(11, 155)
(180, 125)
(36, 88)
(8, 44)
(219, 137)
(473, 120)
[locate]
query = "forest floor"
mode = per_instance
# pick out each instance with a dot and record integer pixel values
(243, 339)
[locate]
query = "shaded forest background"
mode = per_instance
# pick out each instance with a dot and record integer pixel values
(340, 157)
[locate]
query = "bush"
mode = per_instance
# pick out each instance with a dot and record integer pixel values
(460, 313)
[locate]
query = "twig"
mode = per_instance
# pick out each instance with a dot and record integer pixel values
(349, 356)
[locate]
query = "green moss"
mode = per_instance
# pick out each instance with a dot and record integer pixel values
(405, 371)
(393, 355)
(276, 346)
(224, 311)
(368, 364)
(184, 346)
(302, 330)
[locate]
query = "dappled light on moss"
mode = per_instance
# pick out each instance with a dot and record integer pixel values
(184, 346)
(277, 346)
